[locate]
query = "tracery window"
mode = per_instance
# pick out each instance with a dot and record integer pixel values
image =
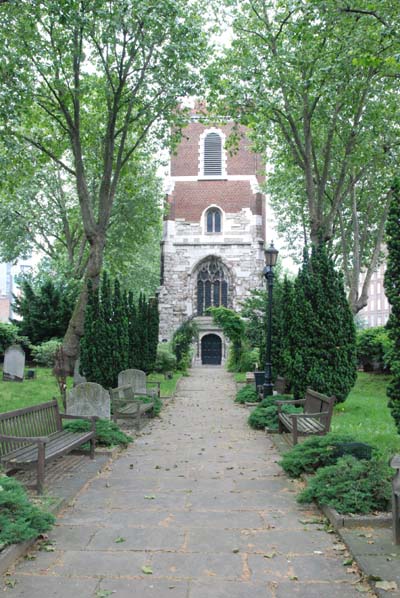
(212, 286)
(213, 218)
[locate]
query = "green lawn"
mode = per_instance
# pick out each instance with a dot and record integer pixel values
(365, 414)
(14, 395)
(240, 377)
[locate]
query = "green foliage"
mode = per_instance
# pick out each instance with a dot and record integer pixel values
(249, 359)
(247, 394)
(266, 415)
(166, 360)
(19, 519)
(107, 432)
(45, 308)
(118, 333)
(374, 349)
(157, 404)
(181, 343)
(233, 327)
(392, 289)
(8, 335)
(322, 337)
(45, 353)
(313, 453)
(351, 486)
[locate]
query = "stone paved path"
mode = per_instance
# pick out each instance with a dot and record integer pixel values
(201, 502)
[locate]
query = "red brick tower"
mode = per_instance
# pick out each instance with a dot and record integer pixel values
(212, 248)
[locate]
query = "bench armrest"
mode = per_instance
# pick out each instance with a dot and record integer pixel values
(38, 439)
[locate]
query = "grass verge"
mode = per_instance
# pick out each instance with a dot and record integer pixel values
(365, 415)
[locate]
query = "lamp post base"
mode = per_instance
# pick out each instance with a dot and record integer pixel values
(268, 389)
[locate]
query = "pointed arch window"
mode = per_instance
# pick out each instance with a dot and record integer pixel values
(212, 155)
(212, 286)
(213, 219)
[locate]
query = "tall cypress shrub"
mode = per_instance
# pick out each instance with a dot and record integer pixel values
(392, 289)
(153, 326)
(323, 332)
(120, 331)
(287, 323)
(90, 353)
(133, 338)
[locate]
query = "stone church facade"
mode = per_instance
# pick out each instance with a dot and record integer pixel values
(212, 247)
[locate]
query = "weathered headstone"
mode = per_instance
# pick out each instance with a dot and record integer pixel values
(134, 378)
(14, 363)
(87, 399)
(78, 378)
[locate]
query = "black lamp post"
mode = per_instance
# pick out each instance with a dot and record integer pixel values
(271, 255)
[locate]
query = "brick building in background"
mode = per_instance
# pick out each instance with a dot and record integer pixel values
(212, 247)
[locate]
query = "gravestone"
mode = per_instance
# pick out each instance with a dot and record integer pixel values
(134, 378)
(87, 399)
(78, 378)
(14, 363)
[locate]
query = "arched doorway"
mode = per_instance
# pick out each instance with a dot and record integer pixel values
(211, 350)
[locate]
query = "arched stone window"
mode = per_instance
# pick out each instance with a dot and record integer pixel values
(212, 286)
(212, 155)
(213, 220)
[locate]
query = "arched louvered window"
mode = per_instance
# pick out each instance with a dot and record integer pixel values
(212, 287)
(212, 155)
(213, 218)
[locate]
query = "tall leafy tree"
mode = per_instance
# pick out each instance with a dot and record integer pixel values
(392, 289)
(85, 85)
(313, 83)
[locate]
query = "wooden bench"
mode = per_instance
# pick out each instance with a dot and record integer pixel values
(32, 436)
(316, 418)
(126, 405)
(395, 463)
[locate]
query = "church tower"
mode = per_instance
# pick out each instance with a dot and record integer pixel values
(212, 247)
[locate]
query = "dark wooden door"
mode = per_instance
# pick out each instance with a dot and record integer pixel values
(211, 350)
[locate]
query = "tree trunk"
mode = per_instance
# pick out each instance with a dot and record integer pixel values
(70, 346)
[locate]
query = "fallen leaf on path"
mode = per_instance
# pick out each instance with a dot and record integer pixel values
(119, 540)
(147, 570)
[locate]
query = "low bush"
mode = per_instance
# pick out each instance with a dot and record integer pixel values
(319, 451)
(45, 353)
(247, 394)
(165, 360)
(249, 359)
(107, 432)
(266, 415)
(20, 520)
(182, 344)
(374, 349)
(8, 335)
(351, 486)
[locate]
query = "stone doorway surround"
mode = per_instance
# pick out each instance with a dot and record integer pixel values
(207, 326)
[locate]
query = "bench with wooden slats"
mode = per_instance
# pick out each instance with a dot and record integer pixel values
(316, 418)
(125, 405)
(395, 463)
(32, 436)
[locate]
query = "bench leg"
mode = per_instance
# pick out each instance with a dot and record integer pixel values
(40, 468)
(396, 518)
(295, 433)
(281, 428)
(92, 447)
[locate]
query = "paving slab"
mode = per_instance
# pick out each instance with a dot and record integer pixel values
(197, 507)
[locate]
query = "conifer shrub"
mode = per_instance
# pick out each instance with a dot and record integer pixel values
(247, 394)
(266, 415)
(351, 486)
(20, 520)
(108, 433)
(165, 360)
(319, 451)
(157, 404)
(392, 286)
